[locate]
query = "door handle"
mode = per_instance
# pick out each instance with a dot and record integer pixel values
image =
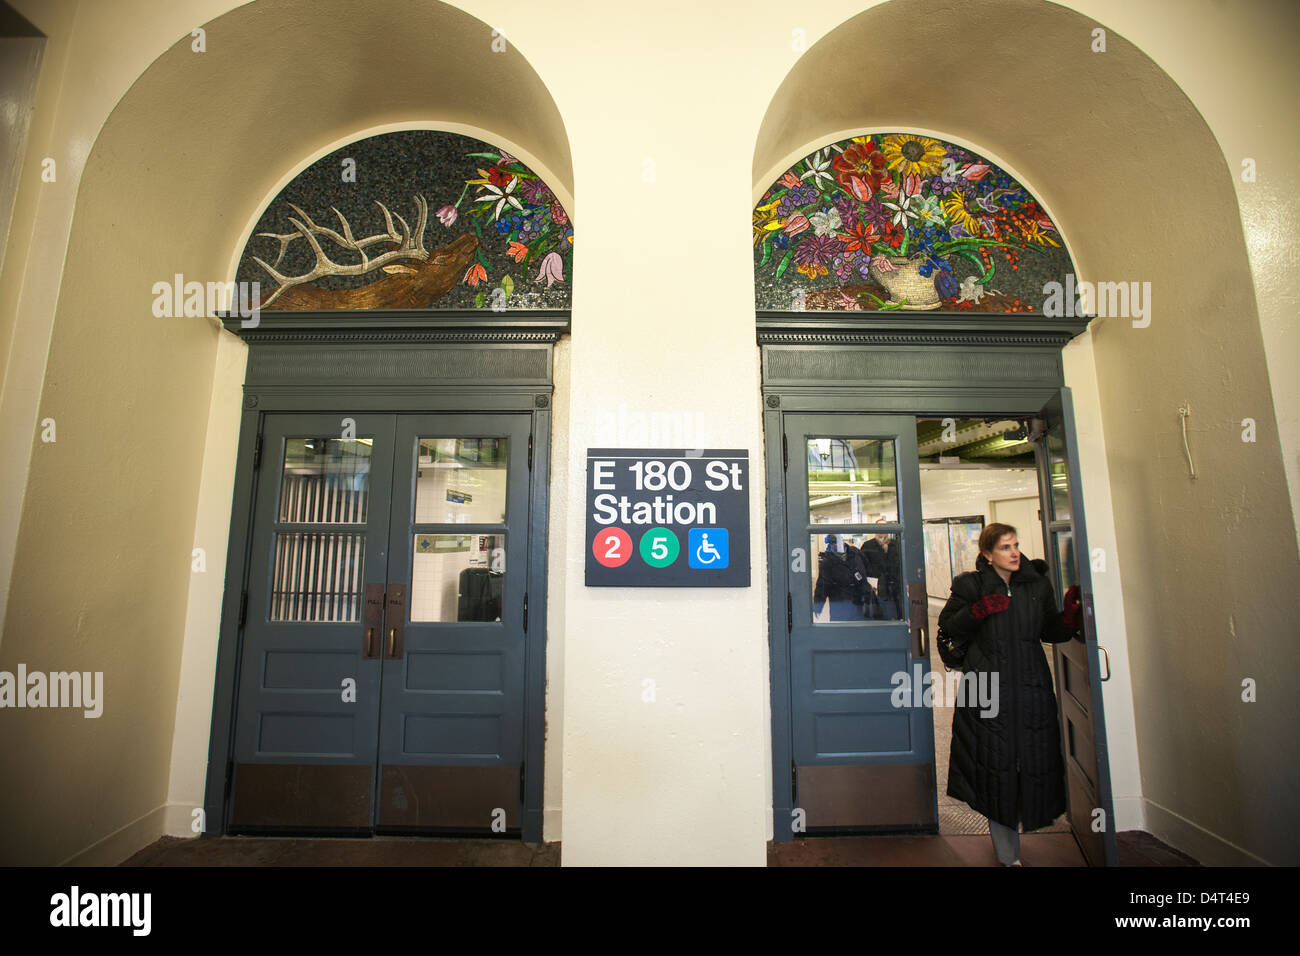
(374, 619)
(1107, 659)
(395, 614)
(918, 620)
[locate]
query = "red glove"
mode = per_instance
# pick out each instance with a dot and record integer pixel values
(1072, 608)
(990, 605)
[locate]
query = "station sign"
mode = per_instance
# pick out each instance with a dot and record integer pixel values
(667, 517)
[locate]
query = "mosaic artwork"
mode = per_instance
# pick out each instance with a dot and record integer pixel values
(895, 221)
(417, 219)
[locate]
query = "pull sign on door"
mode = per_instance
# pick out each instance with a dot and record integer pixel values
(667, 517)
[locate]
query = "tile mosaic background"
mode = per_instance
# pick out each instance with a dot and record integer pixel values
(894, 221)
(494, 232)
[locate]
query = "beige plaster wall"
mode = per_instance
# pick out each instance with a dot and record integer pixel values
(136, 481)
(684, 779)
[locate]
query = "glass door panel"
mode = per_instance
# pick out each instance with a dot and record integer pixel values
(851, 481)
(457, 577)
(461, 480)
(849, 588)
(1058, 471)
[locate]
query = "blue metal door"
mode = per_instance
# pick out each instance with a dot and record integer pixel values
(451, 745)
(863, 741)
(307, 717)
(382, 667)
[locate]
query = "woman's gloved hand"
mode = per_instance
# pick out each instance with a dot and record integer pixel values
(989, 605)
(1072, 608)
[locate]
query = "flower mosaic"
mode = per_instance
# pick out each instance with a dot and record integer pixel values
(902, 222)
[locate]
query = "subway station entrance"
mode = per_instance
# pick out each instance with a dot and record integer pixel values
(381, 663)
(845, 399)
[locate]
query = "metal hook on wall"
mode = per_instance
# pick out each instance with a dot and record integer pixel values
(1183, 412)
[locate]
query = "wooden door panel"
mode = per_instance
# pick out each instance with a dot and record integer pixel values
(1080, 749)
(1075, 679)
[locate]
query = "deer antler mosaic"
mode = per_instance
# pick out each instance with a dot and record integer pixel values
(415, 286)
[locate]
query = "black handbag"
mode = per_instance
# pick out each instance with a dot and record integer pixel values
(952, 650)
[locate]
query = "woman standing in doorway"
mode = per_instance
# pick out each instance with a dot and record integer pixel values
(1006, 759)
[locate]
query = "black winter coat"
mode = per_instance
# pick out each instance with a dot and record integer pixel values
(842, 577)
(882, 564)
(1008, 767)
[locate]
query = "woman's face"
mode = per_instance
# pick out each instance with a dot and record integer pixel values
(1006, 553)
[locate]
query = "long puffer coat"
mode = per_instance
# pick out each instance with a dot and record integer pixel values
(1008, 767)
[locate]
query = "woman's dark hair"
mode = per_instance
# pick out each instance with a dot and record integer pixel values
(992, 534)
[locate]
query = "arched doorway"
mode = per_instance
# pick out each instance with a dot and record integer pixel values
(382, 662)
(1067, 128)
(896, 241)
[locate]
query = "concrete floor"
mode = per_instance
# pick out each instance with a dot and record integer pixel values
(1136, 848)
(338, 851)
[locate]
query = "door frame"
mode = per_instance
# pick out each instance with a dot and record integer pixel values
(423, 362)
(1011, 402)
(919, 364)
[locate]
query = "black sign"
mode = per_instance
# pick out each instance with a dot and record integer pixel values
(667, 518)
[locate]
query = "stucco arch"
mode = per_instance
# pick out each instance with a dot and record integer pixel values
(171, 184)
(1136, 181)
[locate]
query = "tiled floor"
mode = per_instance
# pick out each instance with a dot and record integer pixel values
(1045, 849)
(1036, 849)
(1040, 848)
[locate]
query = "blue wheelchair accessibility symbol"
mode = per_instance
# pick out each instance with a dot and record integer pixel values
(707, 548)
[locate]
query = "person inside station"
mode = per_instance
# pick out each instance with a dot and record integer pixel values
(883, 561)
(842, 581)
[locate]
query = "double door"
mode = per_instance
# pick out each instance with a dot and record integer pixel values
(381, 676)
(861, 735)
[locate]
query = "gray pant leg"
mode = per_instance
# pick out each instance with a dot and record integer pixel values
(1006, 842)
